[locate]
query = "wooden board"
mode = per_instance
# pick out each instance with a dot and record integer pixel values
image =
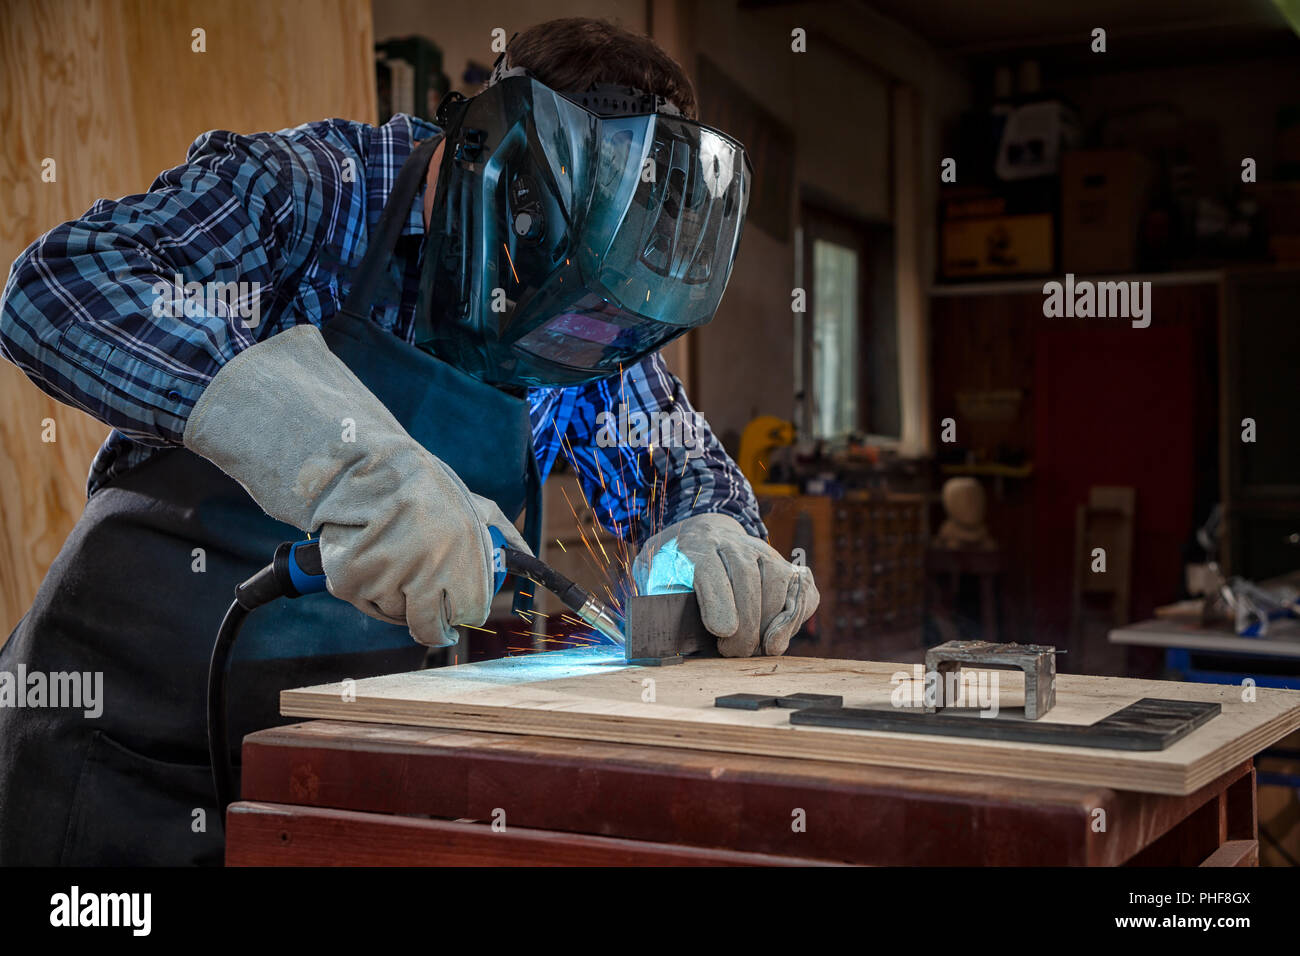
(590, 694)
(113, 93)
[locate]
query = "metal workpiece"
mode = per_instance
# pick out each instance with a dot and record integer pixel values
(800, 701)
(745, 701)
(664, 628)
(1038, 661)
(789, 701)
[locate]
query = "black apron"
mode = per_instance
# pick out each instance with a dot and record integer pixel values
(140, 586)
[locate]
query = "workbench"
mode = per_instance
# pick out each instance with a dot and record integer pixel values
(332, 792)
(1217, 655)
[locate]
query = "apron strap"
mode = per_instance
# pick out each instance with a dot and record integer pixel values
(366, 281)
(375, 262)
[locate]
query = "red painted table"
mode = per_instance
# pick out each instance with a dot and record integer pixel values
(332, 792)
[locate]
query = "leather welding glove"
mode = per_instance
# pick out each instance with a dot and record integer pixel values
(402, 539)
(750, 597)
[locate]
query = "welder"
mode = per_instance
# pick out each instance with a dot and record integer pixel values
(441, 312)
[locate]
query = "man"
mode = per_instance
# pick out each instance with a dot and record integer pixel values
(414, 323)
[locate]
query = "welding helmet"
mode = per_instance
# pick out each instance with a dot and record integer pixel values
(573, 234)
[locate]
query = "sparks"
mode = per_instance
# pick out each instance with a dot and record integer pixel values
(512, 263)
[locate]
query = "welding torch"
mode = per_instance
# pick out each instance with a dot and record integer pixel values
(591, 611)
(297, 570)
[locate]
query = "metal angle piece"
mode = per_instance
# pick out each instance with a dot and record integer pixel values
(1148, 724)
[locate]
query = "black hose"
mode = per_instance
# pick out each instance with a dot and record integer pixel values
(272, 582)
(223, 772)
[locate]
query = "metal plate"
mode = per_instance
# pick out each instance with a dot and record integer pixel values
(1148, 724)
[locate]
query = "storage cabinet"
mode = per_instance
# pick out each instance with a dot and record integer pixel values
(867, 555)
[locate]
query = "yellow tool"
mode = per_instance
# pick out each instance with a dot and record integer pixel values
(760, 437)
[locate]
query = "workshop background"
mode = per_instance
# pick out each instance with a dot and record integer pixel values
(884, 329)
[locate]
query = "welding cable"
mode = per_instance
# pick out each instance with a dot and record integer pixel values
(223, 773)
(294, 571)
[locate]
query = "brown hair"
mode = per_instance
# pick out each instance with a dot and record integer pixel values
(572, 53)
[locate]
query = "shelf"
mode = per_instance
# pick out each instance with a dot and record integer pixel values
(1027, 286)
(1174, 277)
(989, 471)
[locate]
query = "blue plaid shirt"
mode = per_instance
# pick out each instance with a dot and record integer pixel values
(291, 212)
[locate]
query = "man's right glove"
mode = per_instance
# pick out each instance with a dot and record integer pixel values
(402, 538)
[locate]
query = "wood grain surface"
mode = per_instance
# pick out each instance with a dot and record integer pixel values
(113, 93)
(268, 834)
(591, 694)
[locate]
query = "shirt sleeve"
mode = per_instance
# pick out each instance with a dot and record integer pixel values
(647, 459)
(128, 312)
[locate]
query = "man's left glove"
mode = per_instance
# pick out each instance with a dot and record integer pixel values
(750, 596)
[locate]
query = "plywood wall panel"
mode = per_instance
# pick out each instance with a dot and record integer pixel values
(113, 92)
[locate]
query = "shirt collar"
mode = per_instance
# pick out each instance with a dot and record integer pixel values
(390, 146)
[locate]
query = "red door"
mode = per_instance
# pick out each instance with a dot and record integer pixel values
(1112, 406)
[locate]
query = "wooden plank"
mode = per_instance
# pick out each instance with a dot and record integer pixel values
(592, 694)
(113, 92)
(268, 834)
(1183, 834)
(1242, 816)
(1190, 842)
(1235, 853)
(853, 814)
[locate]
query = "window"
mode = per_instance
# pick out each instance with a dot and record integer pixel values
(835, 320)
(850, 335)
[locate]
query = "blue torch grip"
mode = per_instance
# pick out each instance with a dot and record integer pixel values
(305, 568)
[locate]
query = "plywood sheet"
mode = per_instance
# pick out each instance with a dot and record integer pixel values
(590, 694)
(113, 92)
